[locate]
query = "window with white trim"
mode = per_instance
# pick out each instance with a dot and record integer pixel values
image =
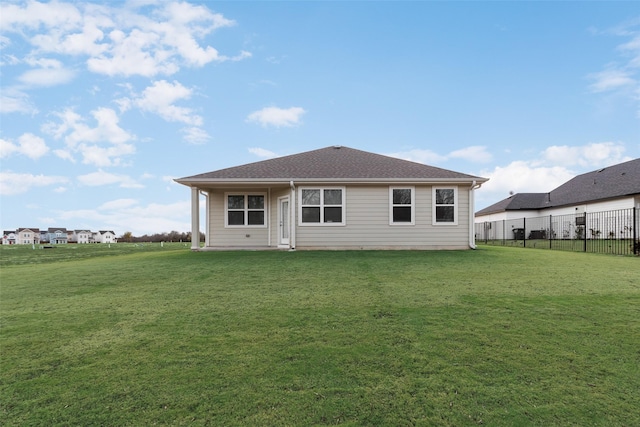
(402, 202)
(322, 206)
(445, 205)
(245, 210)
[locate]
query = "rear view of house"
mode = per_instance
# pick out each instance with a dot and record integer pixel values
(28, 236)
(335, 198)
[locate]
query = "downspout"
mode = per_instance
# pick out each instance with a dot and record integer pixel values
(292, 218)
(472, 218)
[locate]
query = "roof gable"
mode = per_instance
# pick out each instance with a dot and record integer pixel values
(331, 163)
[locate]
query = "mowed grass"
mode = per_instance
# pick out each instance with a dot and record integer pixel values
(496, 336)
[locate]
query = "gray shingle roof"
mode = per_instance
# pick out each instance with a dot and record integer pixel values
(331, 163)
(611, 182)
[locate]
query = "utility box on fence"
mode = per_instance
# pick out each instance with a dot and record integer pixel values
(518, 233)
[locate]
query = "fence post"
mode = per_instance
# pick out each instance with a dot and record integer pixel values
(524, 232)
(584, 232)
(636, 242)
(550, 231)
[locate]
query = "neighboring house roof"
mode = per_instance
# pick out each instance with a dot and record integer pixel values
(611, 182)
(33, 230)
(53, 230)
(106, 231)
(331, 164)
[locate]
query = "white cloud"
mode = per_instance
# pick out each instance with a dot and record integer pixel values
(133, 54)
(611, 79)
(46, 77)
(117, 40)
(520, 177)
(105, 156)
(101, 177)
(475, 153)
(590, 155)
(50, 72)
(622, 77)
(15, 183)
(261, 152)
(64, 155)
(15, 101)
(34, 15)
(28, 145)
(419, 156)
(106, 144)
(195, 135)
(160, 97)
(277, 117)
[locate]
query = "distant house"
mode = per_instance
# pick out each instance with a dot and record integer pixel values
(597, 204)
(105, 236)
(57, 236)
(9, 237)
(83, 236)
(335, 198)
(27, 236)
(611, 188)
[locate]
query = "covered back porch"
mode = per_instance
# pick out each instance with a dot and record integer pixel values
(244, 217)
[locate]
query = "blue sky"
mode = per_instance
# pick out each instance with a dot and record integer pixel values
(103, 104)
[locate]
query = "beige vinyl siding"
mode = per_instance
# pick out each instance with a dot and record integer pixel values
(367, 223)
(222, 236)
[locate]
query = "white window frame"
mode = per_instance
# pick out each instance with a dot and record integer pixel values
(455, 205)
(246, 209)
(392, 205)
(322, 206)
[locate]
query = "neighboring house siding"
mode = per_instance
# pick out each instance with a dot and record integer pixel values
(601, 206)
(625, 203)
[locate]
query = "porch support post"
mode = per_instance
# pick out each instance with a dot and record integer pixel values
(472, 217)
(195, 219)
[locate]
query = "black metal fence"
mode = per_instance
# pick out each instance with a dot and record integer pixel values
(613, 232)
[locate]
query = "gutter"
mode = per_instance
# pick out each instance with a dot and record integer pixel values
(227, 182)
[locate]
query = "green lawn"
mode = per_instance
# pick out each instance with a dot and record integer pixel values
(160, 335)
